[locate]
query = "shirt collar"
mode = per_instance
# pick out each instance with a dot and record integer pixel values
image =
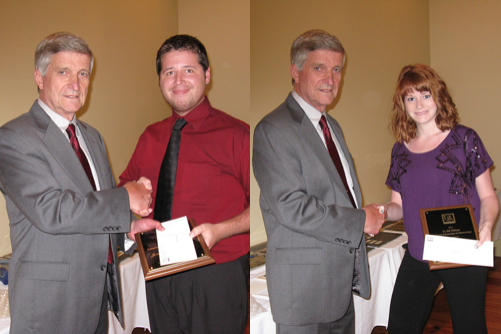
(61, 122)
(313, 114)
(197, 116)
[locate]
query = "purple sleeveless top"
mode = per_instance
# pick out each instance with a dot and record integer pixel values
(444, 176)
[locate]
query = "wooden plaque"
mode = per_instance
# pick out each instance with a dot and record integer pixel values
(452, 221)
(150, 262)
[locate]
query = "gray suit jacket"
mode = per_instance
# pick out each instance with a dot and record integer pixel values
(59, 227)
(315, 237)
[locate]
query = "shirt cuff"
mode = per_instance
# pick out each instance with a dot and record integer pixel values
(128, 243)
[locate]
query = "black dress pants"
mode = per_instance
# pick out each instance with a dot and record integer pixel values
(207, 300)
(415, 289)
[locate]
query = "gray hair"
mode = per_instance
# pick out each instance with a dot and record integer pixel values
(58, 42)
(312, 40)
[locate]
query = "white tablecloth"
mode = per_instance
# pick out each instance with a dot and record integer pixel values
(4, 326)
(133, 297)
(4, 309)
(383, 266)
(384, 263)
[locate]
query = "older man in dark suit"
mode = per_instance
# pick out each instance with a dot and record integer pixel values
(310, 199)
(66, 217)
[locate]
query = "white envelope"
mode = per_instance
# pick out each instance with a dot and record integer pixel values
(456, 250)
(174, 243)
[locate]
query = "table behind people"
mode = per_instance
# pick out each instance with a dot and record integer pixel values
(383, 263)
(133, 296)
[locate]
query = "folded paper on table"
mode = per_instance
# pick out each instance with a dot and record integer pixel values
(456, 250)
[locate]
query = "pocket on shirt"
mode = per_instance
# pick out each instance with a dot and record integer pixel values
(201, 184)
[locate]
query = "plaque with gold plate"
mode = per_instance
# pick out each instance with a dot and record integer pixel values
(452, 221)
(149, 255)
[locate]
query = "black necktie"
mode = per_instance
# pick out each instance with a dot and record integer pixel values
(167, 175)
(335, 156)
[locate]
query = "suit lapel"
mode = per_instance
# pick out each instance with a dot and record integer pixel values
(95, 152)
(59, 147)
(309, 135)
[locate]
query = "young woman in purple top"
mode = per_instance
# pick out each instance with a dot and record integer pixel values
(435, 163)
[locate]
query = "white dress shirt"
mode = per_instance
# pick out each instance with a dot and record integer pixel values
(63, 123)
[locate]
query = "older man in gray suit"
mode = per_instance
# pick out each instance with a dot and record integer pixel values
(66, 217)
(310, 199)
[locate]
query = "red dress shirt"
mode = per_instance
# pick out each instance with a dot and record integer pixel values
(213, 172)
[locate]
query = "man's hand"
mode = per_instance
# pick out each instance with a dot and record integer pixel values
(374, 219)
(143, 225)
(140, 196)
(212, 233)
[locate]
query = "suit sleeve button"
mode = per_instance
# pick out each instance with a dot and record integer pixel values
(352, 250)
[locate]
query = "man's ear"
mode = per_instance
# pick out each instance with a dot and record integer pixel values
(295, 73)
(38, 79)
(207, 76)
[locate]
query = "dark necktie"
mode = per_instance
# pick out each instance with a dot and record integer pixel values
(335, 156)
(167, 175)
(80, 153)
(70, 130)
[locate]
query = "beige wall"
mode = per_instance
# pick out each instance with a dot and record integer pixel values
(466, 52)
(124, 36)
(380, 37)
(223, 26)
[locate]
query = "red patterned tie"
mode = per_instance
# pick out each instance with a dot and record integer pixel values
(70, 130)
(335, 156)
(80, 154)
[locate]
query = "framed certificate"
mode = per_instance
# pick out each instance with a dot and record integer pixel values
(452, 221)
(147, 246)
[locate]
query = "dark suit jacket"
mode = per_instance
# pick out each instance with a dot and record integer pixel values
(59, 227)
(315, 236)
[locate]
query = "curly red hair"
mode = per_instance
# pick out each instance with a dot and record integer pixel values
(421, 78)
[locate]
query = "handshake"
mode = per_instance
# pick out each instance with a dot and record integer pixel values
(140, 196)
(140, 201)
(375, 217)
